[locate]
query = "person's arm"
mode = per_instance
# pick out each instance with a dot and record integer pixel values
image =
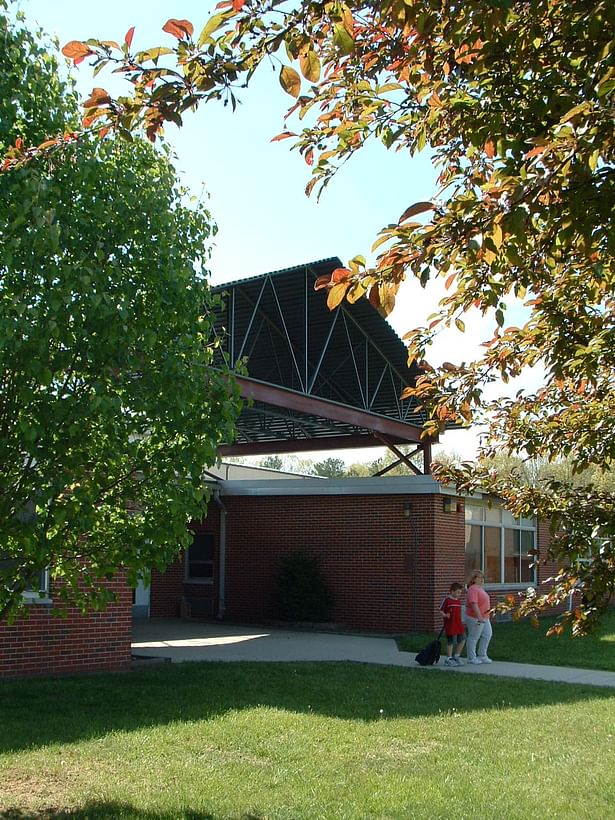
(444, 610)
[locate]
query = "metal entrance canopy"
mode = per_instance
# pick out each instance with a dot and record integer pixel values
(316, 379)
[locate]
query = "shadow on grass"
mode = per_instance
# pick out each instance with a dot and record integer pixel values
(121, 811)
(36, 713)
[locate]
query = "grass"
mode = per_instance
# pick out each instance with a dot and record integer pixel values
(286, 741)
(521, 642)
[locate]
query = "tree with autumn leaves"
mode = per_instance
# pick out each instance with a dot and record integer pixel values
(110, 406)
(515, 101)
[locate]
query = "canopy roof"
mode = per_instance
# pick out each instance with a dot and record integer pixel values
(317, 379)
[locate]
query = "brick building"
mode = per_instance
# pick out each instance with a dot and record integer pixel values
(44, 643)
(388, 549)
(388, 546)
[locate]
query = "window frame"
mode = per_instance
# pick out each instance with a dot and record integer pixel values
(506, 524)
(41, 595)
(188, 579)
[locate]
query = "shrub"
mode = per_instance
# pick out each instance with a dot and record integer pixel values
(300, 591)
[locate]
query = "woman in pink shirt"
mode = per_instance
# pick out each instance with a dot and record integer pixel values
(478, 612)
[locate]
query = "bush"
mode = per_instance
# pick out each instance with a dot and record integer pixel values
(300, 591)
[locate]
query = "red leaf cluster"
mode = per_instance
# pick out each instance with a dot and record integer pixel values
(182, 29)
(76, 51)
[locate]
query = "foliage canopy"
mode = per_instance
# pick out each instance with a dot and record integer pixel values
(515, 100)
(109, 405)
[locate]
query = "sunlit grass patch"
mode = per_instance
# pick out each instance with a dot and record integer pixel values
(303, 741)
(523, 643)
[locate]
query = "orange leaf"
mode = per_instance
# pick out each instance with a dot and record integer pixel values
(290, 81)
(489, 147)
(129, 36)
(178, 28)
(91, 118)
(336, 295)
(99, 96)
(310, 186)
(310, 65)
(309, 157)
(18, 143)
(434, 101)
(322, 282)
(417, 208)
(374, 298)
(340, 275)
(76, 50)
(449, 281)
(238, 4)
(283, 136)
(535, 151)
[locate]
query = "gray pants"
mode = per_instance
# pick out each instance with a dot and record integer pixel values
(479, 636)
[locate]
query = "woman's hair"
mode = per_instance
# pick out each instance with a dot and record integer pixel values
(474, 575)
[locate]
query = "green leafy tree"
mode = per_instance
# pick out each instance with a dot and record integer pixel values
(515, 101)
(109, 405)
(272, 462)
(359, 469)
(534, 471)
(330, 468)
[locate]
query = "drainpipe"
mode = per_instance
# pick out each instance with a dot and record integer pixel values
(221, 555)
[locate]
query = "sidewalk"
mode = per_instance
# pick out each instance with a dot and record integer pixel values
(179, 641)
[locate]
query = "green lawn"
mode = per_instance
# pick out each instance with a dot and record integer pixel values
(523, 643)
(275, 741)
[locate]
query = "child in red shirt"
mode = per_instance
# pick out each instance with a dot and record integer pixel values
(453, 625)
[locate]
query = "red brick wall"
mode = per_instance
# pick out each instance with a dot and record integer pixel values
(168, 587)
(380, 566)
(44, 644)
(549, 568)
(449, 551)
(387, 572)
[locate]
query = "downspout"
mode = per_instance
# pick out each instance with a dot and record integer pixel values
(221, 556)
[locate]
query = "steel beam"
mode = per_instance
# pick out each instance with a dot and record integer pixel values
(314, 406)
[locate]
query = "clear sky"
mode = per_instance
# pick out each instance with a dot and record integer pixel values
(256, 187)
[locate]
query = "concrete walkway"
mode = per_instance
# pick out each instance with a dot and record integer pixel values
(179, 641)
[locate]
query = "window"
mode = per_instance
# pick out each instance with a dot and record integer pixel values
(39, 592)
(200, 559)
(499, 545)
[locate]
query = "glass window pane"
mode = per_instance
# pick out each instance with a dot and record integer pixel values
(512, 571)
(198, 569)
(474, 512)
(528, 542)
(202, 548)
(493, 514)
(472, 549)
(527, 570)
(508, 519)
(492, 555)
(528, 522)
(40, 585)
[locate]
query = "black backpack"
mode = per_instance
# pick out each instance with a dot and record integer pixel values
(430, 654)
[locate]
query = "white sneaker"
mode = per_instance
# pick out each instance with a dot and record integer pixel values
(484, 659)
(457, 660)
(475, 660)
(449, 662)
